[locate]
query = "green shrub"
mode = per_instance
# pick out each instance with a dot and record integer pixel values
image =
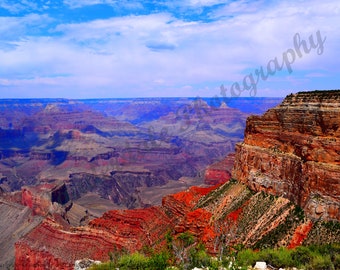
(284, 257)
(214, 265)
(103, 266)
(302, 256)
(169, 239)
(320, 262)
(337, 261)
(159, 261)
(134, 261)
(247, 257)
(199, 258)
(277, 257)
(187, 238)
(326, 248)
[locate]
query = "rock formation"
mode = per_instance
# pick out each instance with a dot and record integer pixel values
(219, 172)
(53, 246)
(218, 216)
(131, 143)
(41, 198)
(293, 151)
(289, 160)
(15, 222)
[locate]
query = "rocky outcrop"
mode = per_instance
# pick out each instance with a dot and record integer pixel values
(41, 198)
(179, 204)
(222, 216)
(84, 264)
(293, 151)
(52, 246)
(16, 221)
(219, 172)
(133, 229)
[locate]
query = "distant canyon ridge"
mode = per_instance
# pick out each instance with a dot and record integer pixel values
(118, 150)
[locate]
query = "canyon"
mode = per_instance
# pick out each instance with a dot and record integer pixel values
(71, 161)
(115, 148)
(280, 187)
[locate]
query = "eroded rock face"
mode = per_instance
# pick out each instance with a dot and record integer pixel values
(131, 143)
(219, 172)
(293, 150)
(219, 216)
(41, 198)
(17, 221)
(53, 246)
(50, 246)
(133, 229)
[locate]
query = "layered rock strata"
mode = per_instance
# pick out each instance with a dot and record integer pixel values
(219, 216)
(41, 198)
(293, 150)
(53, 246)
(17, 221)
(219, 172)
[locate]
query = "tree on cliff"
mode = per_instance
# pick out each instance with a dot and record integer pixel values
(225, 235)
(181, 246)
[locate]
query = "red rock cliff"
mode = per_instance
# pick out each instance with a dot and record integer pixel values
(219, 172)
(53, 246)
(218, 216)
(293, 150)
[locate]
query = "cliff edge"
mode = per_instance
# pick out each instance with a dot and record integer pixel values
(293, 151)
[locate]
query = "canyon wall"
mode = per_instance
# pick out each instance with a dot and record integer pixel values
(113, 147)
(17, 221)
(219, 172)
(293, 150)
(41, 198)
(54, 246)
(220, 216)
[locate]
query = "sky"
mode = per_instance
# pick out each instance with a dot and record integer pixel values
(196, 48)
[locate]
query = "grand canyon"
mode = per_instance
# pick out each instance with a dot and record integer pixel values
(82, 178)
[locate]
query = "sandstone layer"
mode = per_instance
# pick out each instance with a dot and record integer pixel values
(219, 172)
(293, 150)
(219, 217)
(53, 246)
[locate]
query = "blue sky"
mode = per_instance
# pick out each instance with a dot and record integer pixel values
(110, 49)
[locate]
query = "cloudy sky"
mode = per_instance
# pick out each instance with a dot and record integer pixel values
(108, 48)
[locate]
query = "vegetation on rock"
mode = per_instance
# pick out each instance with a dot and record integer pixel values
(314, 257)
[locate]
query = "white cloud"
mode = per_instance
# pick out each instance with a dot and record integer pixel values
(159, 54)
(205, 2)
(17, 28)
(80, 3)
(18, 6)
